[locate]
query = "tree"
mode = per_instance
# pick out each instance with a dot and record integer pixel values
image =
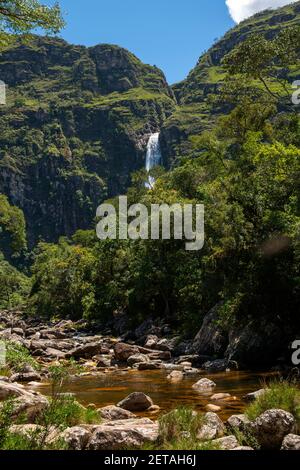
(12, 228)
(266, 61)
(23, 16)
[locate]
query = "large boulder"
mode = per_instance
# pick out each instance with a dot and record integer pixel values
(212, 427)
(123, 351)
(211, 340)
(29, 406)
(76, 438)
(271, 427)
(219, 365)
(254, 344)
(204, 385)
(137, 359)
(238, 422)
(291, 442)
(136, 401)
(11, 390)
(226, 443)
(113, 413)
(175, 376)
(151, 341)
(118, 435)
(152, 365)
(255, 395)
(88, 350)
(26, 377)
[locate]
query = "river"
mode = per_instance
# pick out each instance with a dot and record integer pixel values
(111, 387)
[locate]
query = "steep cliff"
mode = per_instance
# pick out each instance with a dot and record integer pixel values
(75, 127)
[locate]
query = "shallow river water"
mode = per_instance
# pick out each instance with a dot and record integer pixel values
(111, 387)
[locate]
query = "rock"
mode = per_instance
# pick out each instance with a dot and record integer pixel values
(186, 365)
(170, 367)
(167, 344)
(18, 331)
(191, 371)
(137, 358)
(29, 406)
(271, 427)
(220, 396)
(144, 329)
(136, 401)
(175, 375)
(238, 422)
(76, 438)
(118, 435)
(52, 352)
(9, 390)
(204, 385)
(220, 365)
(151, 341)
(154, 409)
(246, 448)
(103, 361)
(39, 433)
(291, 442)
(26, 377)
(211, 340)
(26, 430)
(226, 443)
(113, 413)
(212, 428)
(213, 408)
(123, 351)
(160, 355)
(87, 351)
(255, 343)
(152, 365)
(254, 395)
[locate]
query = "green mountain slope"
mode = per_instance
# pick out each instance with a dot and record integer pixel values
(197, 109)
(75, 127)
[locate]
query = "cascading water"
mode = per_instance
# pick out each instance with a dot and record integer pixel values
(153, 157)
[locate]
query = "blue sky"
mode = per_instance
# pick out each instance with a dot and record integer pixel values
(171, 34)
(168, 33)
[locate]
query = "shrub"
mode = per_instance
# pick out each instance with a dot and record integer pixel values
(282, 395)
(17, 357)
(65, 411)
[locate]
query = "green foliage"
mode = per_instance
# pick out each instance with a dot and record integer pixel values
(65, 411)
(183, 420)
(23, 16)
(17, 356)
(259, 58)
(178, 431)
(12, 225)
(278, 395)
(14, 286)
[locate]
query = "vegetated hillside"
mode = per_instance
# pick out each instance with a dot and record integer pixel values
(196, 95)
(74, 129)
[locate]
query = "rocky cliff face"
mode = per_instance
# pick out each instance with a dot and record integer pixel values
(75, 127)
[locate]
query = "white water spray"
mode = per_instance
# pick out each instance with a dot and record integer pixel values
(153, 157)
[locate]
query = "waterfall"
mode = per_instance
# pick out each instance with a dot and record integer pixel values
(153, 157)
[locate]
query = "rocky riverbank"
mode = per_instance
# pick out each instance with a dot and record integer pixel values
(50, 344)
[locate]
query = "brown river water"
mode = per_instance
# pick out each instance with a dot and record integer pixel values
(111, 387)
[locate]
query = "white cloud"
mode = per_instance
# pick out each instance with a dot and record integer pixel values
(241, 9)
